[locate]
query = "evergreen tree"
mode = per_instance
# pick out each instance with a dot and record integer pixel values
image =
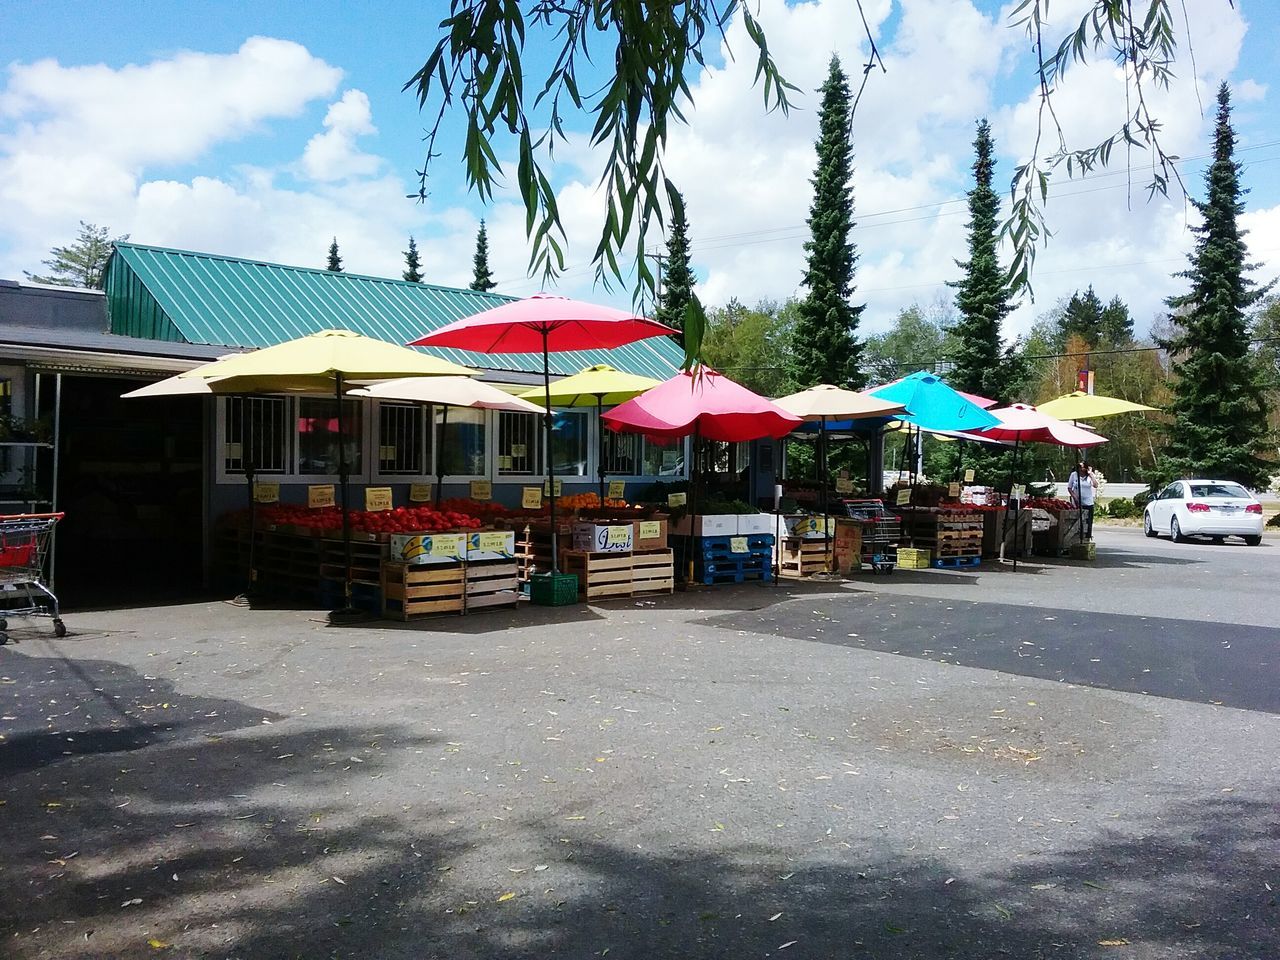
(1116, 329)
(482, 279)
(413, 263)
(1219, 409)
(677, 275)
(1083, 317)
(982, 363)
(335, 262)
(825, 348)
(82, 263)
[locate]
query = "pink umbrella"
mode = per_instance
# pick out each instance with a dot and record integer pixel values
(1023, 423)
(542, 323)
(702, 402)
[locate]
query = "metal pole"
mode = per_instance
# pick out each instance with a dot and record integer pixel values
(546, 422)
(440, 432)
(346, 608)
(53, 494)
(826, 482)
(600, 430)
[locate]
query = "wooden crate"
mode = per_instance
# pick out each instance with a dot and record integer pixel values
(653, 571)
(600, 575)
(492, 583)
(801, 557)
(410, 591)
(367, 558)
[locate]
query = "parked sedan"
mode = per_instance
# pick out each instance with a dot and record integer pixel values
(1204, 508)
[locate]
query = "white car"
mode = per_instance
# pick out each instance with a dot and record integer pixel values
(1204, 508)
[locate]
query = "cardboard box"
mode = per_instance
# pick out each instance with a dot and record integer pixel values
(424, 548)
(806, 526)
(604, 538)
(708, 525)
(491, 545)
(755, 523)
(847, 551)
(650, 534)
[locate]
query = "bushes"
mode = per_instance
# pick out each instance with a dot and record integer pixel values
(1122, 508)
(1274, 521)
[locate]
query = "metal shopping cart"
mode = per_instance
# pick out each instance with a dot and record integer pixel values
(24, 545)
(881, 533)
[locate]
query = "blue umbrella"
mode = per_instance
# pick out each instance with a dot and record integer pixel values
(932, 405)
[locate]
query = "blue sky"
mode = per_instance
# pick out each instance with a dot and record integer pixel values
(240, 170)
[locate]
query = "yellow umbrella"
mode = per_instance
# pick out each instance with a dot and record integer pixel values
(597, 386)
(1087, 406)
(328, 360)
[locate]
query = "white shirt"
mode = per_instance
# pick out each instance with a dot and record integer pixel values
(1082, 492)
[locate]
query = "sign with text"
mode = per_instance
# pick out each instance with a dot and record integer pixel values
(953, 489)
(677, 499)
(491, 543)
(377, 498)
(738, 545)
(1018, 492)
(844, 485)
(968, 476)
(903, 497)
(617, 489)
(420, 492)
(426, 548)
(481, 490)
(650, 529)
(266, 493)
(531, 498)
(320, 495)
(546, 488)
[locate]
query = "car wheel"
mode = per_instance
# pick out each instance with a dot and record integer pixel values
(1175, 531)
(1253, 540)
(1147, 528)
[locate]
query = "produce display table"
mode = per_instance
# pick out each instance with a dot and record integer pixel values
(952, 534)
(1057, 535)
(803, 556)
(997, 524)
(636, 573)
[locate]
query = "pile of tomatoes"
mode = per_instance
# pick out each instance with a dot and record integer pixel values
(422, 519)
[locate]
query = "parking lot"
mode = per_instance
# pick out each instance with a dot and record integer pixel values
(1073, 760)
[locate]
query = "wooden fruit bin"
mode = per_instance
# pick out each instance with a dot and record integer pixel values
(798, 557)
(600, 575)
(653, 571)
(410, 591)
(492, 583)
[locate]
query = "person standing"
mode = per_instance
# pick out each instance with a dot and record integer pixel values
(1083, 489)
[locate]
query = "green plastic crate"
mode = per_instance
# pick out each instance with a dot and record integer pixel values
(553, 589)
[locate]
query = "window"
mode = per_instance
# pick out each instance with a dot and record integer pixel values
(623, 453)
(1221, 491)
(663, 459)
(518, 444)
(256, 435)
(569, 442)
(404, 447)
(724, 457)
(463, 444)
(318, 438)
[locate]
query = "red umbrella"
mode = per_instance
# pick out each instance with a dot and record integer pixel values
(541, 324)
(1023, 423)
(705, 402)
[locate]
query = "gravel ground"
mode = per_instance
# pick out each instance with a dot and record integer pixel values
(1070, 761)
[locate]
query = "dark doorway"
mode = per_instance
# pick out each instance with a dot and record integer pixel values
(130, 482)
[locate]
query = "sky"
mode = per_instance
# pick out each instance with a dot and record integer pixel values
(264, 129)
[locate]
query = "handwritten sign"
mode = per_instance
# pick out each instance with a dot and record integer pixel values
(1018, 492)
(619, 536)
(546, 488)
(320, 495)
(481, 490)
(420, 492)
(617, 489)
(968, 476)
(531, 498)
(677, 499)
(377, 498)
(519, 450)
(844, 485)
(738, 545)
(904, 497)
(953, 489)
(386, 453)
(266, 493)
(650, 529)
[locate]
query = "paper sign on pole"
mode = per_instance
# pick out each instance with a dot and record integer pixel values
(677, 499)
(1018, 492)
(531, 498)
(904, 497)
(617, 489)
(738, 545)
(420, 492)
(266, 493)
(546, 491)
(844, 485)
(953, 490)
(377, 498)
(481, 490)
(968, 476)
(320, 495)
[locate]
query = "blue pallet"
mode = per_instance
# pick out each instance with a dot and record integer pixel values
(735, 576)
(956, 562)
(758, 545)
(735, 564)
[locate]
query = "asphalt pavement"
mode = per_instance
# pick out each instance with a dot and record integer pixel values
(1073, 760)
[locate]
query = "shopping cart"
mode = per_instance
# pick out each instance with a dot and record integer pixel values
(881, 532)
(24, 545)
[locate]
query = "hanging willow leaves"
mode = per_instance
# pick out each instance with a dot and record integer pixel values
(695, 328)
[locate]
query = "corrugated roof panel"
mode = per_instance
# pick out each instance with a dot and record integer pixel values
(247, 303)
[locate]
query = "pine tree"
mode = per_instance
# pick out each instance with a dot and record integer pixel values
(825, 348)
(1219, 409)
(983, 365)
(1083, 317)
(677, 275)
(413, 263)
(483, 276)
(1116, 329)
(82, 263)
(335, 261)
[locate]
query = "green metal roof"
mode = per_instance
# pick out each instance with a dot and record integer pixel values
(203, 298)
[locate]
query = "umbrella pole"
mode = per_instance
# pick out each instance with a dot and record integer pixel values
(246, 457)
(444, 422)
(546, 425)
(695, 473)
(826, 482)
(1017, 511)
(600, 431)
(346, 610)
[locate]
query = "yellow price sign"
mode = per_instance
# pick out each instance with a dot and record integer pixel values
(447, 544)
(320, 495)
(481, 490)
(531, 498)
(377, 498)
(266, 493)
(953, 489)
(968, 476)
(738, 545)
(677, 499)
(650, 529)
(618, 536)
(844, 485)
(546, 488)
(617, 489)
(494, 541)
(904, 497)
(420, 492)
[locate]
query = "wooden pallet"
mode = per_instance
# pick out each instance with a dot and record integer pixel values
(600, 575)
(653, 571)
(492, 583)
(802, 558)
(410, 591)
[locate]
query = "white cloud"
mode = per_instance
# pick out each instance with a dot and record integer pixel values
(333, 154)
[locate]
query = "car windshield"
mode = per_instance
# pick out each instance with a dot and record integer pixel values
(1224, 490)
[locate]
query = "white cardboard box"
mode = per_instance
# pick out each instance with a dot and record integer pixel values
(604, 538)
(755, 523)
(708, 525)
